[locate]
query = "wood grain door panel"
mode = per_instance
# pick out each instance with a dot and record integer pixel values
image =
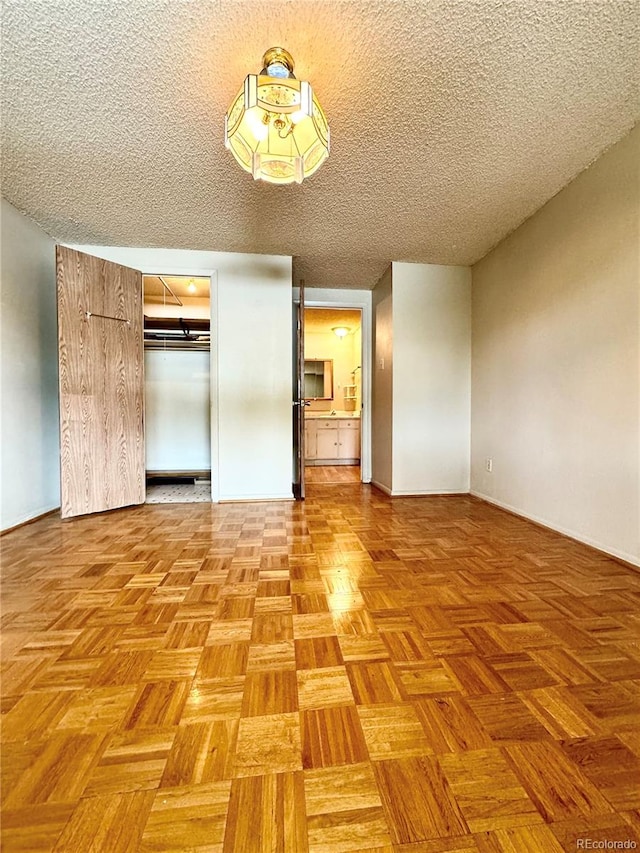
(101, 369)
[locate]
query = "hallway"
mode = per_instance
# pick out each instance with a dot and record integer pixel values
(351, 673)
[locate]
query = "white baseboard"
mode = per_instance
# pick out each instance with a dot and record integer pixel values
(21, 520)
(566, 531)
(401, 493)
(285, 496)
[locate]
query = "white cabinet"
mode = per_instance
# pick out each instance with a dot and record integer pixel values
(335, 440)
(327, 443)
(349, 440)
(310, 440)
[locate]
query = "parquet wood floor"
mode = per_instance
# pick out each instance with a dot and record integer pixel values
(353, 673)
(324, 474)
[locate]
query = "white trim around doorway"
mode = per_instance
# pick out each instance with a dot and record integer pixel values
(212, 275)
(357, 299)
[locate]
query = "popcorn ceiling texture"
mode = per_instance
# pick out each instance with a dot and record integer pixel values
(452, 121)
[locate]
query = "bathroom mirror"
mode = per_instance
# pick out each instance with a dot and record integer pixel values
(318, 379)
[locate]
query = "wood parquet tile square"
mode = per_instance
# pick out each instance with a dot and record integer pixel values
(450, 724)
(263, 656)
(157, 703)
(267, 813)
(37, 714)
(28, 829)
(611, 766)
(428, 678)
(332, 736)
(561, 714)
(269, 691)
(318, 652)
(393, 731)
(222, 661)
(344, 810)
(557, 786)
(268, 744)
(506, 719)
(324, 688)
(307, 625)
(347, 832)
(417, 800)
(346, 787)
(353, 673)
(60, 770)
(363, 647)
(214, 699)
(132, 761)
(190, 818)
(373, 683)
(115, 823)
(490, 795)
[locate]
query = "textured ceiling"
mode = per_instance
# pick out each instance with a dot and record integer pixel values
(324, 319)
(184, 287)
(451, 120)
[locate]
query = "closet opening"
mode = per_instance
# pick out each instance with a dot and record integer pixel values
(177, 345)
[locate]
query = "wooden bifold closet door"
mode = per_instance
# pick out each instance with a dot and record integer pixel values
(101, 369)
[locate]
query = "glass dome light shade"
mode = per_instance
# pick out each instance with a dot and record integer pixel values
(275, 127)
(340, 331)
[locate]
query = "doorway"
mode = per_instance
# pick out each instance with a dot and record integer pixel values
(177, 344)
(333, 395)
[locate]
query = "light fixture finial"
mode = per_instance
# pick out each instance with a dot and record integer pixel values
(277, 56)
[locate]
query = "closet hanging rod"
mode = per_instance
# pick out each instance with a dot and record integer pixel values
(89, 314)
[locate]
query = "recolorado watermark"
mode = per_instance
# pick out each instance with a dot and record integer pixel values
(594, 844)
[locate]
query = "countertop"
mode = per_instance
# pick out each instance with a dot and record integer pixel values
(339, 415)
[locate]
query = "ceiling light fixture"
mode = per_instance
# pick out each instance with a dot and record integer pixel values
(340, 331)
(275, 127)
(192, 287)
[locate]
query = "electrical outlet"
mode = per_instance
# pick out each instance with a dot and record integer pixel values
(488, 464)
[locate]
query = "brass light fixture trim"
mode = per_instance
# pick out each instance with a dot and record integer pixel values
(277, 55)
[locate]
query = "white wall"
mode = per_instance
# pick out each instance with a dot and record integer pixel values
(177, 416)
(251, 362)
(30, 458)
(556, 360)
(345, 353)
(255, 389)
(382, 396)
(431, 378)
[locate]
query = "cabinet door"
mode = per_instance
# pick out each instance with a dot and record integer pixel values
(327, 444)
(310, 441)
(349, 442)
